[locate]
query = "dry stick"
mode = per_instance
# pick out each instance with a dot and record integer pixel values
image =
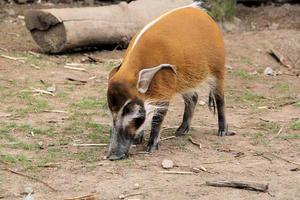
(6, 115)
(76, 68)
(278, 133)
(176, 172)
(34, 66)
(43, 92)
(284, 159)
(30, 177)
(86, 197)
(167, 138)
(90, 145)
(3, 49)
(55, 111)
(194, 142)
(123, 196)
(11, 58)
(261, 187)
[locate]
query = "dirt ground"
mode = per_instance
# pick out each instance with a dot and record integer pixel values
(263, 110)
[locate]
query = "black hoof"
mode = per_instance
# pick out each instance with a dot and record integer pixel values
(182, 130)
(152, 148)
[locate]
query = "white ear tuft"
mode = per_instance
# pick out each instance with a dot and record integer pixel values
(146, 76)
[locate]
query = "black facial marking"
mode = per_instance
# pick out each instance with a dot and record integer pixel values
(117, 95)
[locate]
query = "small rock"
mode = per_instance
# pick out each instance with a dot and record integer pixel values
(167, 164)
(122, 196)
(136, 186)
(28, 197)
(41, 145)
(202, 103)
(51, 89)
(254, 73)
(269, 71)
(229, 27)
(28, 190)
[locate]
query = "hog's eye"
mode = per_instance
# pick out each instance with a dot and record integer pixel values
(126, 111)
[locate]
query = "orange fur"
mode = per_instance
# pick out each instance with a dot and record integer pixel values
(188, 39)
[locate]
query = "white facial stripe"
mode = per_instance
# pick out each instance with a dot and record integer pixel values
(148, 26)
(128, 118)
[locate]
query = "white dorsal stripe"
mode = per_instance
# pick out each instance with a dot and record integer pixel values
(195, 4)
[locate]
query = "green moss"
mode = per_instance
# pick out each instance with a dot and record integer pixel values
(222, 10)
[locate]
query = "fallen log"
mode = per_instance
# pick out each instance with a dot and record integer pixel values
(261, 187)
(57, 30)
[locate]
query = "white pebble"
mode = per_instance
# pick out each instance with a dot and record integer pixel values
(167, 164)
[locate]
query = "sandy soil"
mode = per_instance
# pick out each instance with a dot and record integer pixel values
(264, 112)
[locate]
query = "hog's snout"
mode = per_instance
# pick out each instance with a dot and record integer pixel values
(116, 156)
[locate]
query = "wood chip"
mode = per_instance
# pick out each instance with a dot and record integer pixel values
(86, 197)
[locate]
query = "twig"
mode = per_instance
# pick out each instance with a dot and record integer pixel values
(30, 177)
(264, 120)
(168, 138)
(75, 68)
(34, 66)
(194, 142)
(123, 196)
(287, 103)
(55, 111)
(34, 54)
(13, 58)
(43, 92)
(86, 197)
(278, 133)
(176, 172)
(79, 81)
(3, 49)
(90, 145)
(261, 187)
(74, 64)
(284, 159)
(5, 115)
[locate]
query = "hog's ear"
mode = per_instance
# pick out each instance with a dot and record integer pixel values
(146, 76)
(114, 70)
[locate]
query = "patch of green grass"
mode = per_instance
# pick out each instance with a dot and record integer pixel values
(243, 74)
(96, 132)
(24, 146)
(110, 64)
(251, 97)
(298, 104)
(5, 130)
(290, 136)
(222, 10)
(259, 138)
(182, 142)
(19, 160)
(91, 103)
(274, 127)
(296, 125)
(281, 86)
(27, 128)
(34, 104)
(89, 156)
